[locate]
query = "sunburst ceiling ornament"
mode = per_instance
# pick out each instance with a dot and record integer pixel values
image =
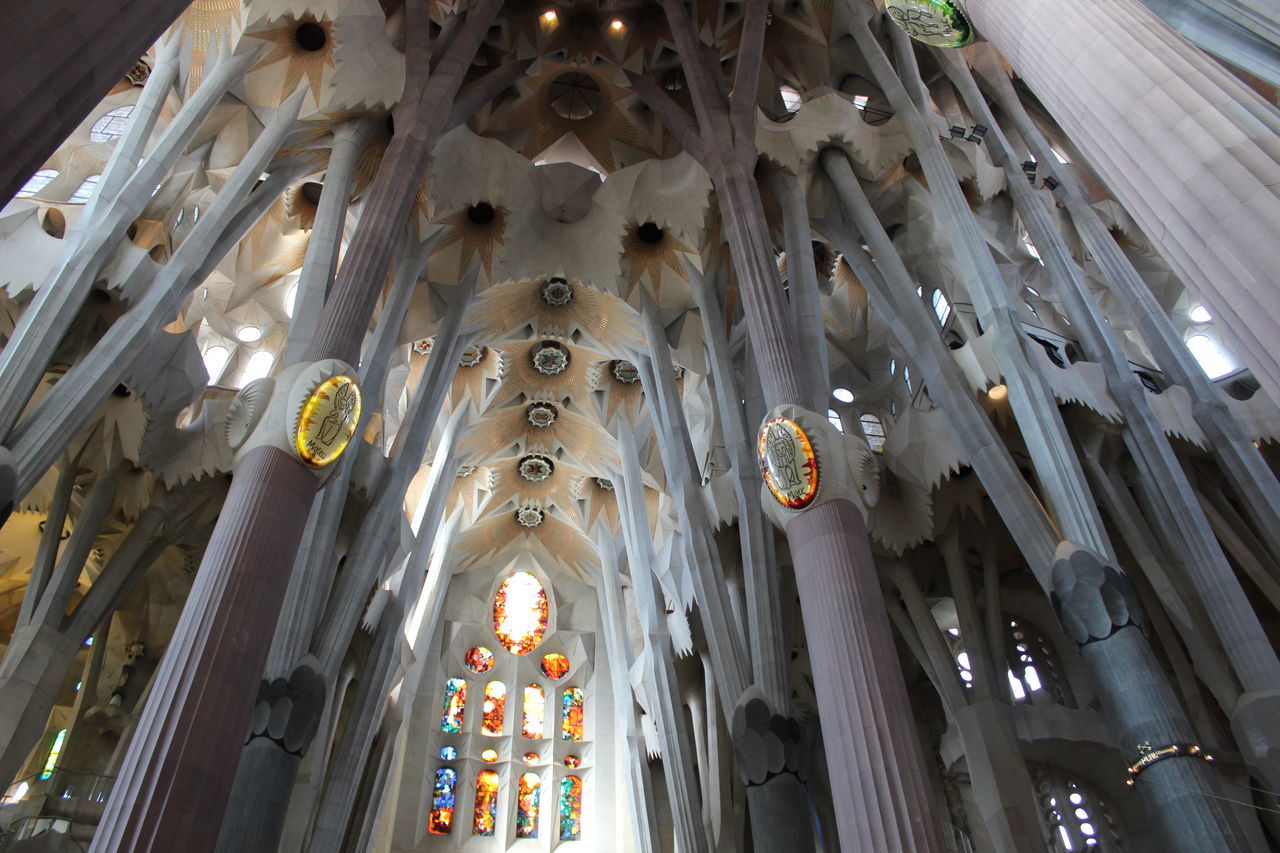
(535, 468)
(475, 230)
(529, 516)
(556, 292)
(305, 44)
(653, 254)
(541, 415)
(471, 356)
(550, 358)
(423, 347)
(625, 372)
(604, 483)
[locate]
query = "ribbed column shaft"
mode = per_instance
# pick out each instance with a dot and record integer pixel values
(1191, 153)
(878, 783)
(173, 786)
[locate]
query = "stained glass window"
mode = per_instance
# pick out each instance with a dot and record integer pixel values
(495, 706)
(489, 755)
(486, 814)
(527, 806)
(455, 704)
(531, 758)
(570, 808)
(448, 753)
(535, 708)
(571, 727)
(111, 125)
(442, 802)
(479, 659)
(555, 666)
(572, 761)
(54, 751)
(520, 613)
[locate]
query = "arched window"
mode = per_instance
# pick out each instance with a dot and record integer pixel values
(1033, 673)
(570, 808)
(1077, 818)
(55, 751)
(495, 706)
(486, 812)
(259, 366)
(442, 801)
(85, 190)
(111, 125)
(37, 182)
(874, 431)
(834, 417)
(215, 361)
(1198, 314)
(791, 98)
(571, 724)
(455, 705)
(527, 806)
(533, 724)
(1211, 357)
(520, 612)
(941, 307)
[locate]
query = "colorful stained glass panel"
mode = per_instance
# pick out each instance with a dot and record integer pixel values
(489, 755)
(486, 813)
(478, 659)
(442, 801)
(527, 806)
(555, 666)
(448, 753)
(455, 705)
(520, 613)
(495, 706)
(532, 758)
(570, 808)
(571, 725)
(572, 761)
(535, 710)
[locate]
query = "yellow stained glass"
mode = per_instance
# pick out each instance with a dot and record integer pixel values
(535, 709)
(520, 613)
(486, 812)
(495, 706)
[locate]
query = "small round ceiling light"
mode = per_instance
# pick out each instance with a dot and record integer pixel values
(550, 358)
(998, 392)
(249, 334)
(541, 415)
(625, 372)
(535, 468)
(529, 516)
(616, 27)
(550, 17)
(556, 292)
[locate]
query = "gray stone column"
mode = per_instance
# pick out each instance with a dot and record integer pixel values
(1187, 148)
(1245, 33)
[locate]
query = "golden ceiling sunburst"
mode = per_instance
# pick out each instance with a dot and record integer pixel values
(306, 44)
(476, 231)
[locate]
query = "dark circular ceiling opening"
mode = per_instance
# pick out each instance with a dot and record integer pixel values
(575, 95)
(649, 233)
(310, 36)
(480, 213)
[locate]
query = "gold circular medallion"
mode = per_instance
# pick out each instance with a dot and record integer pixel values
(327, 421)
(789, 464)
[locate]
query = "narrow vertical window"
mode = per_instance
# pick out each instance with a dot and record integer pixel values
(455, 705)
(570, 808)
(54, 752)
(495, 706)
(527, 806)
(571, 727)
(486, 813)
(535, 709)
(443, 801)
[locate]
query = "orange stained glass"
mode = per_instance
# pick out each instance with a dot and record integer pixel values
(532, 758)
(572, 761)
(527, 806)
(442, 801)
(455, 705)
(495, 706)
(489, 755)
(520, 612)
(555, 666)
(535, 711)
(571, 725)
(486, 812)
(478, 659)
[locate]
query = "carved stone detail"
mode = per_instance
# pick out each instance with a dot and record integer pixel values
(288, 711)
(1093, 600)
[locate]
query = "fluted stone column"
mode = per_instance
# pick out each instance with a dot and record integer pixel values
(1189, 150)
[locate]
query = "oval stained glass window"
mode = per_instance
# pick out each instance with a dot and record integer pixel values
(489, 755)
(520, 613)
(555, 666)
(478, 659)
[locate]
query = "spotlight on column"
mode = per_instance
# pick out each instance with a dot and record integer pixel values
(979, 131)
(957, 132)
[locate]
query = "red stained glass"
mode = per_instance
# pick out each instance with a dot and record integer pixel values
(555, 666)
(527, 806)
(479, 659)
(486, 813)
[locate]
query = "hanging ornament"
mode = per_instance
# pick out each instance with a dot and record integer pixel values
(550, 358)
(528, 516)
(626, 372)
(535, 469)
(788, 461)
(557, 292)
(541, 415)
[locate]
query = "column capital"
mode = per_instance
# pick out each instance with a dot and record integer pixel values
(1092, 599)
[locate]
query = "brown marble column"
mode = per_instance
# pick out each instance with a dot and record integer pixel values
(173, 786)
(65, 56)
